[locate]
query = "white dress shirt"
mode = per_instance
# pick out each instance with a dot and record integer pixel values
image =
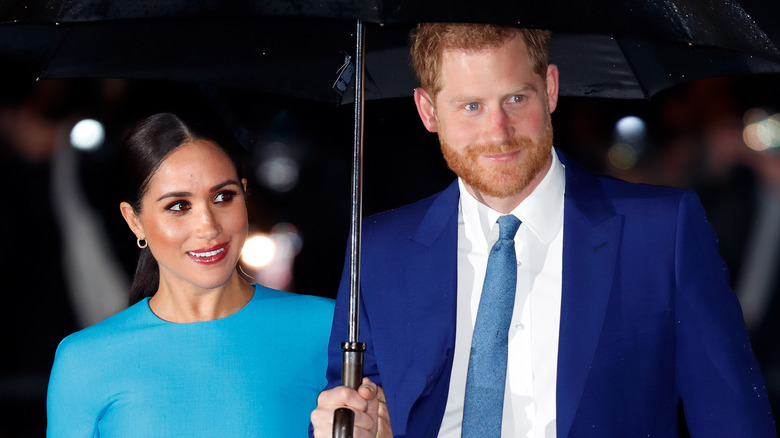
(529, 403)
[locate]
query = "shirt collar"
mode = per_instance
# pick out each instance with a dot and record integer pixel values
(541, 212)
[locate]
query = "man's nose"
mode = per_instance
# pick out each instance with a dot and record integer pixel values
(499, 127)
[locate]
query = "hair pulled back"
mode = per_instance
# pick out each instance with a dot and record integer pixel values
(145, 147)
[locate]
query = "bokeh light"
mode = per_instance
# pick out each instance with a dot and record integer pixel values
(622, 156)
(288, 241)
(629, 142)
(87, 135)
(259, 250)
(278, 169)
(268, 258)
(631, 128)
(278, 173)
(762, 130)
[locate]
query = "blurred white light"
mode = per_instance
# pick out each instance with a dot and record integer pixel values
(278, 173)
(622, 156)
(773, 127)
(268, 258)
(630, 127)
(751, 137)
(289, 233)
(87, 135)
(258, 251)
(763, 131)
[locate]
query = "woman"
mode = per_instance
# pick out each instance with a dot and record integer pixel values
(202, 352)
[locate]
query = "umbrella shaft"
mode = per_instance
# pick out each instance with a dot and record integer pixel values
(357, 188)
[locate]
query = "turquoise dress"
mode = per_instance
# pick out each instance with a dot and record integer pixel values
(256, 373)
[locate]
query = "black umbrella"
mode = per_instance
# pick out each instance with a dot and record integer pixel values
(312, 49)
(606, 48)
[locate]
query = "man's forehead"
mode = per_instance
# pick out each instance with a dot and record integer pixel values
(475, 47)
(477, 56)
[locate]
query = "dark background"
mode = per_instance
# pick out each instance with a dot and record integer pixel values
(693, 140)
(402, 163)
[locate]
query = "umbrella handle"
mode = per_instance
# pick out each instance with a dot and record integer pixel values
(351, 376)
(343, 423)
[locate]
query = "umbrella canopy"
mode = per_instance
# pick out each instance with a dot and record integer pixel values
(607, 48)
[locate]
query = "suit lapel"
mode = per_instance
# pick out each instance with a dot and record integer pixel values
(430, 272)
(591, 241)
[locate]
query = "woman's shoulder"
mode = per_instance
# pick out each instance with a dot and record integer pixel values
(279, 303)
(115, 326)
(268, 294)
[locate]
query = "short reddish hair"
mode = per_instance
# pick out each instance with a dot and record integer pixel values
(428, 41)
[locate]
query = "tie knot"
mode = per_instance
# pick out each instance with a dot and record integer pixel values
(507, 226)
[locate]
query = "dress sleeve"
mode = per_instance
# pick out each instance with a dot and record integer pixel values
(71, 407)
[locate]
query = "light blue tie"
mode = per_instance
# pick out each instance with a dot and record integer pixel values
(484, 401)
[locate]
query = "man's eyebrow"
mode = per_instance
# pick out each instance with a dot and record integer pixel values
(469, 98)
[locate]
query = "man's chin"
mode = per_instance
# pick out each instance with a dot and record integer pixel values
(496, 184)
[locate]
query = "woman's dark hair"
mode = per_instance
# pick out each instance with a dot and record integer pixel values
(147, 144)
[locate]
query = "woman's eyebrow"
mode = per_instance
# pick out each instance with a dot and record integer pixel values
(229, 182)
(223, 184)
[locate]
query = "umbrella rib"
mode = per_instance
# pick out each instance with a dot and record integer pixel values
(634, 70)
(55, 52)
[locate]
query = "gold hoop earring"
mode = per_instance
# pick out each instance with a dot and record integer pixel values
(141, 245)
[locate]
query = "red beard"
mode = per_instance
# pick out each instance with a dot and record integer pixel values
(501, 180)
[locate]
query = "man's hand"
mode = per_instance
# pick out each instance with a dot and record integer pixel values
(371, 416)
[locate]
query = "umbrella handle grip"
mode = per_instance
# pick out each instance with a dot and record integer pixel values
(343, 423)
(351, 376)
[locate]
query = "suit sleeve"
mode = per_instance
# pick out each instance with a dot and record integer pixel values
(718, 375)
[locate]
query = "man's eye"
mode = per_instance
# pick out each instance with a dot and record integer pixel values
(473, 106)
(178, 206)
(516, 99)
(225, 196)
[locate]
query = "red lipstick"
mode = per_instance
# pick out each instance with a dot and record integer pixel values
(209, 255)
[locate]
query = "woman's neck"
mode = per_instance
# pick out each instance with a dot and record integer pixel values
(182, 303)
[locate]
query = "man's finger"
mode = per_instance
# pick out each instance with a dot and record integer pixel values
(322, 419)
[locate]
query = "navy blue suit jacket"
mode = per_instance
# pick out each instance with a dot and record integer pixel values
(647, 316)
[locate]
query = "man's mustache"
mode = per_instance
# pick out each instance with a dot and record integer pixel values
(512, 145)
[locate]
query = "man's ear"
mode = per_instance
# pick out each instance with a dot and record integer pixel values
(426, 109)
(132, 220)
(552, 87)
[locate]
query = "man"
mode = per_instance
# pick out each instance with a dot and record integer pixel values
(622, 308)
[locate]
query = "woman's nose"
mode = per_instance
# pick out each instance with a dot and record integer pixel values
(208, 225)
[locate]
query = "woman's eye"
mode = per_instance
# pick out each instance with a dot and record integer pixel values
(225, 196)
(473, 106)
(178, 206)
